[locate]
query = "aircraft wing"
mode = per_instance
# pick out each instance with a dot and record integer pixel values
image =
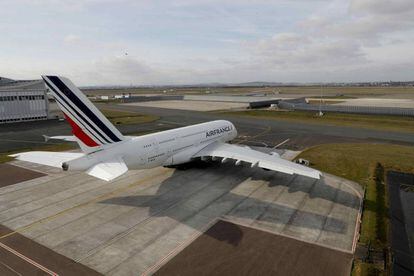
(54, 159)
(108, 170)
(256, 158)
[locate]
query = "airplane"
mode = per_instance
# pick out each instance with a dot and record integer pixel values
(107, 154)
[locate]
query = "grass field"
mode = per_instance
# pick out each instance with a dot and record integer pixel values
(4, 158)
(392, 123)
(366, 164)
(356, 161)
(125, 118)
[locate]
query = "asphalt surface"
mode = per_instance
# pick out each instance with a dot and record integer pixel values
(301, 134)
(22, 256)
(12, 174)
(14, 137)
(402, 226)
(130, 225)
(231, 249)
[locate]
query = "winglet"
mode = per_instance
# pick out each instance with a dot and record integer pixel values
(47, 138)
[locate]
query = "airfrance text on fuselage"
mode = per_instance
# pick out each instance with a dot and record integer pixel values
(218, 131)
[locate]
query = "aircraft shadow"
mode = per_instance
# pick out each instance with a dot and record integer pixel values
(167, 203)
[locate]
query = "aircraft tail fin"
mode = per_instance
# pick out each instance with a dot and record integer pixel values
(89, 125)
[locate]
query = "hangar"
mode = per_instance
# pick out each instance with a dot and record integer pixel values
(23, 100)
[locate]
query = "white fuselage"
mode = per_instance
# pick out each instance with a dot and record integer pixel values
(166, 148)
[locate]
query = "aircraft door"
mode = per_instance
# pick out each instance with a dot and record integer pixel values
(150, 148)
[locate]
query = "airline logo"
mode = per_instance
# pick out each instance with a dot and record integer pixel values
(87, 122)
(218, 131)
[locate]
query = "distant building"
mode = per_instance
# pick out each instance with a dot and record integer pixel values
(123, 96)
(23, 100)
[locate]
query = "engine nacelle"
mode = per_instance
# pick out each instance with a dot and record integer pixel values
(80, 164)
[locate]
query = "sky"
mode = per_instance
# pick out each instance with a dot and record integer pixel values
(123, 42)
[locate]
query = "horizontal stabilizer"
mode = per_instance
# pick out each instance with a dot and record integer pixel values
(108, 170)
(63, 138)
(53, 159)
(72, 138)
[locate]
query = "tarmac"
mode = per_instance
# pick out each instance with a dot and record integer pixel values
(301, 135)
(191, 105)
(12, 174)
(15, 137)
(132, 225)
(401, 202)
(232, 249)
(379, 102)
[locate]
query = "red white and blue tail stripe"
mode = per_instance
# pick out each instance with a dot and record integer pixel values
(88, 124)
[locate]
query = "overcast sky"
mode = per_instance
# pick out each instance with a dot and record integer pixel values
(199, 41)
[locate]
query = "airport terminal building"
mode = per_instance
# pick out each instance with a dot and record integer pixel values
(23, 100)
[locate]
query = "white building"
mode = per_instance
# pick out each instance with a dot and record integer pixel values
(123, 96)
(23, 101)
